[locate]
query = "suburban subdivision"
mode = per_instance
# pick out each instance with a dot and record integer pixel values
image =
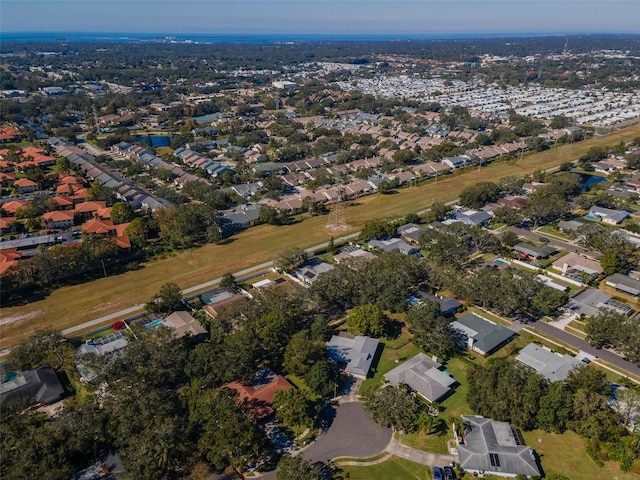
(320, 260)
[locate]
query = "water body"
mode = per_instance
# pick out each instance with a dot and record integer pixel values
(156, 141)
(69, 37)
(589, 180)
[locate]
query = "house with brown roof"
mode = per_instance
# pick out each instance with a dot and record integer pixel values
(58, 219)
(182, 323)
(106, 227)
(12, 207)
(256, 396)
(8, 258)
(24, 185)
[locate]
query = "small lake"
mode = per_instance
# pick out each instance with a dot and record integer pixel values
(156, 141)
(589, 180)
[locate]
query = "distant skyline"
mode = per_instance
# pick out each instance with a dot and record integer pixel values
(344, 17)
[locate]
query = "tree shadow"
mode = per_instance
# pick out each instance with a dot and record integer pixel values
(439, 427)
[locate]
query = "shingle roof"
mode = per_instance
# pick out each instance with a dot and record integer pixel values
(486, 335)
(492, 446)
(357, 352)
(423, 375)
(552, 366)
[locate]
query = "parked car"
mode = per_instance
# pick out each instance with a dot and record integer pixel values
(449, 474)
(438, 474)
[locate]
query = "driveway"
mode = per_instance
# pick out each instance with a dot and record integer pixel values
(350, 433)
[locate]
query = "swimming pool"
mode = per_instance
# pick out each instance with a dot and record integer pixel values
(153, 324)
(499, 261)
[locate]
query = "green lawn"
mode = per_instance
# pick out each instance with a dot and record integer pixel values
(393, 469)
(566, 454)
(435, 442)
(394, 353)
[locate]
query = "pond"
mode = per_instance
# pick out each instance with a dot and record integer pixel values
(589, 180)
(156, 141)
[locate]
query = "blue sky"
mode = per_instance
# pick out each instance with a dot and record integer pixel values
(341, 17)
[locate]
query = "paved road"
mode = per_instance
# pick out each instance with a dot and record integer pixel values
(351, 433)
(579, 343)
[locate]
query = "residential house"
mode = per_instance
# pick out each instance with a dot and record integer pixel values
(394, 244)
(410, 232)
(534, 251)
(569, 225)
(41, 385)
(182, 323)
(606, 215)
(24, 185)
(310, 271)
(256, 396)
(59, 219)
(469, 217)
(355, 353)
(351, 252)
(423, 375)
(591, 302)
(624, 283)
(479, 334)
(576, 266)
(553, 366)
(494, 448)
(448, 305)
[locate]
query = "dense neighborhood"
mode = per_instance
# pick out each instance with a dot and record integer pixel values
(492, 335)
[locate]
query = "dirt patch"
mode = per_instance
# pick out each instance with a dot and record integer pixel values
(18, 318)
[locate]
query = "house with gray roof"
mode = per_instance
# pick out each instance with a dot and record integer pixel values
(607, 215)
(40, 385)
(479, 334)
(624, 283)
(448, 305)
(470, 217)
(394, 244)
(591, 302)
(423, 375)
(411, 232)
(535, 251)
(552, 366)
(310, 271)
(356, 353)
(494, 448)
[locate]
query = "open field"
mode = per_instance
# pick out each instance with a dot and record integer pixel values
(566, 454)
(72, 305)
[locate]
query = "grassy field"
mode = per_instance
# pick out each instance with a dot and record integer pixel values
(393, 469)
(566, 454)
(72, 305)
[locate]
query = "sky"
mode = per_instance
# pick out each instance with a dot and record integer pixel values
(330, 17)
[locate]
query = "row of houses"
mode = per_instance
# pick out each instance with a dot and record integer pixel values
(125, 191)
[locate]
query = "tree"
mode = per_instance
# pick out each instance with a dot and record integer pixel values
(628, 404)
(556, 408)
(269, 215)
(293, 408)
(289, 259)
(167, 300)
(604, 329)
(431, 330)
(509, 238)
(274, 330)
(613, 262)
(321, 379)
(301, 353)
(297, 468)
(368, 320)
(47, 348)
(137, 232)
(228, 281)
(395, 406)
(121, 212)
(479, 194)
(377, 229)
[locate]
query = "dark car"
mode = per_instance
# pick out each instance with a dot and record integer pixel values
(449, 474)
(438, 474)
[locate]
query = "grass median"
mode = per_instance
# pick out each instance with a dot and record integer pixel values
(73, 305)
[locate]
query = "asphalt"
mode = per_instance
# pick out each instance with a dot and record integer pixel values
(351, 433)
